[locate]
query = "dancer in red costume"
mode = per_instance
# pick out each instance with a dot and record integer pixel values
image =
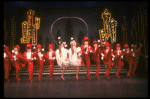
(128, 58)
(50, 58)
(28, 58)
(136, 55)
(16, 60)
(95, 58)
(7, 62)
(86, 49)
(118, 58)
(39, 60)
(106, 58)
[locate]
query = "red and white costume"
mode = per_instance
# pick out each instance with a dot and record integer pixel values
(39, 61)
(7, 62)
(96, 58)
(50, 58)
(85, 55)
(136, 55)
(118, 59)
(28, 57)
(107, 58)
(128, 58)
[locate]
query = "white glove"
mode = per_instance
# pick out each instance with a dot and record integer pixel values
(102, 58)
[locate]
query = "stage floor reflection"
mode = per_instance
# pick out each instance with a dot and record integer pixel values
(123, 87)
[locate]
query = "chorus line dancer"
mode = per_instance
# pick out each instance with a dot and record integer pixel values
(61, 58)
(50, 58)
(7, 62)
(74, 56)
(96, 58)
(118, 58)
(28, 58)
(106, 58)
(86, 50)
(136, 55)
(39, 59)
(128, 58)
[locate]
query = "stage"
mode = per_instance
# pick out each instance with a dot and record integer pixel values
(71, 88)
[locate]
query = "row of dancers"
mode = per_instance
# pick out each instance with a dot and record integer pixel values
(75, 56)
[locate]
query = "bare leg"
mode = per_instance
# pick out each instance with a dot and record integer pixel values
(62, 76)
(77, 73)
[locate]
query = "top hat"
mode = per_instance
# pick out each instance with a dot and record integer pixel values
(95, 42)
(50, 46)
(134, 46)
(86, 39)
(29, 46)
(107, 44)
(39, 46)
(17, 46)
(126, 46)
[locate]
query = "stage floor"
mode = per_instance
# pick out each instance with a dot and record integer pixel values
(123, 87)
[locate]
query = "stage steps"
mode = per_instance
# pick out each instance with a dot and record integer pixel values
(69, 70)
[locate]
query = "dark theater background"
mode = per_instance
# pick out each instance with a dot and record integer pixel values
(131, 20)
(77, 19)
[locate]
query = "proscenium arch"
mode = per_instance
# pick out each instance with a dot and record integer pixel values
(63, 18)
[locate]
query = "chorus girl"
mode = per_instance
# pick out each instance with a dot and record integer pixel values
(28, 58)
(7, 62)
(39, 59)
(62, 59)
(50, 58)
(106, 58)
(74, 56)
(118, 58)
(96, 58)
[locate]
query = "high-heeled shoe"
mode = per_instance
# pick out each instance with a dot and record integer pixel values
(107, 76)
(63, 78)
(18, 79)
(51, 79)
(117, 76)
(8, 80)
(77, 78)
(88, 78)
(129, 76)
(97, 78)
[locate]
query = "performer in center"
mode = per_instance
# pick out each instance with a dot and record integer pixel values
(62, 59)
(74, 56)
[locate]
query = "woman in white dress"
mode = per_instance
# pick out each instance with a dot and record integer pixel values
(74, 56)
(61, 58)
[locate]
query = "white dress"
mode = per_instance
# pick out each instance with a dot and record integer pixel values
(74, 60)
(62, 59)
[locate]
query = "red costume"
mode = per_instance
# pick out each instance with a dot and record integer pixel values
(136, 55)
(28, 59)
(96, 59)
(128, 58)
(85, 55)
(39, 61)
(107, 58)
(7, 63)
(118, 61)
(50, 56)
(17, 62)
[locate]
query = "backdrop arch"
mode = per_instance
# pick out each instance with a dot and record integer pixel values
(67, 17)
